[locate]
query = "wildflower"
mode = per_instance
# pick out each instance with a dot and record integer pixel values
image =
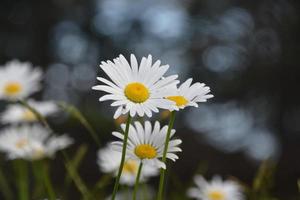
(215, 190)
(136, 89)
(31, 142)
(109, 162)
(18, 113)
(189, 95)
(19, 80)
(146, 144)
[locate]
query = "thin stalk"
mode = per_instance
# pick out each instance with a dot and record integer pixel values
(137, 179)
(35, 112)
(122, 159)
(39, 183)
(164, 158)
(4, 186)
(47, 182)
(21, 170)
(73, 111)
(76, 178)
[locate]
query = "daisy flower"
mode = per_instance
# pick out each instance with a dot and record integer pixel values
(189, 95)
(136, 89)
(215, 190)
(18, 113)
(146, 144)
(19, 80)
(31, 142)
(109, 162)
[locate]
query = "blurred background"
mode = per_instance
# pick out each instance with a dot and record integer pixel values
(246, 51)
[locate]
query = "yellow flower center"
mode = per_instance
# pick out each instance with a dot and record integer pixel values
(216, 195)
(12, 88)
(21, 143)
(130, 166)
(145, 151)
(29, 116)
(179, 100)
(136, 92)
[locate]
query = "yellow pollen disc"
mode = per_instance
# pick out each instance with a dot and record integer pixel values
(145, 151)
(216, 195)
(29, 116)
(136, 92)
(12, 88)
(130, 166)
(21, 143)
(179, 100)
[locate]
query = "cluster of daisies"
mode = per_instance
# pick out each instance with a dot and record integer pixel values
(25, 138)
(143, 147)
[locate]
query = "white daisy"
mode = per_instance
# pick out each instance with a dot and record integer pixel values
(215, 190)
(146, 144)
(109, 162)
(31, 142)
(19, 80)
(18, 113)
(136, 89)
(189, 95)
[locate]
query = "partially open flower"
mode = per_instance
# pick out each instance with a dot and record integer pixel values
(190, 95)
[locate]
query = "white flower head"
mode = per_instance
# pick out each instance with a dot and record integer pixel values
(31, 142)
(137, 89)
(215, 190)
(19, 80)
(146, 144)
(109, 162)
(18, 113)
(188, 94)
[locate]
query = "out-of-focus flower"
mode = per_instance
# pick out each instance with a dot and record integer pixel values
(190, 95)
(19, 80)
(136, 89)
(31, 142)
(146, 144)
(215, 190)
(109, 162)
(17, 113)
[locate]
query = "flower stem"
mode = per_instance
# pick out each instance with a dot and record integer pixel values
(122, 159)
(21, 169)
(83, 189)
(35, 112)
(137, 179)
(80, 117)
(47, 182)
(164, 158)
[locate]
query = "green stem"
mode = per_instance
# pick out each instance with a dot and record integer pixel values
(80, 117)
(39, 183)
(164, 158)
(137, 179)
(122, 159)
(4, 186)
(76, 178)
(21, 169)
(35, 112)
(47, 182)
